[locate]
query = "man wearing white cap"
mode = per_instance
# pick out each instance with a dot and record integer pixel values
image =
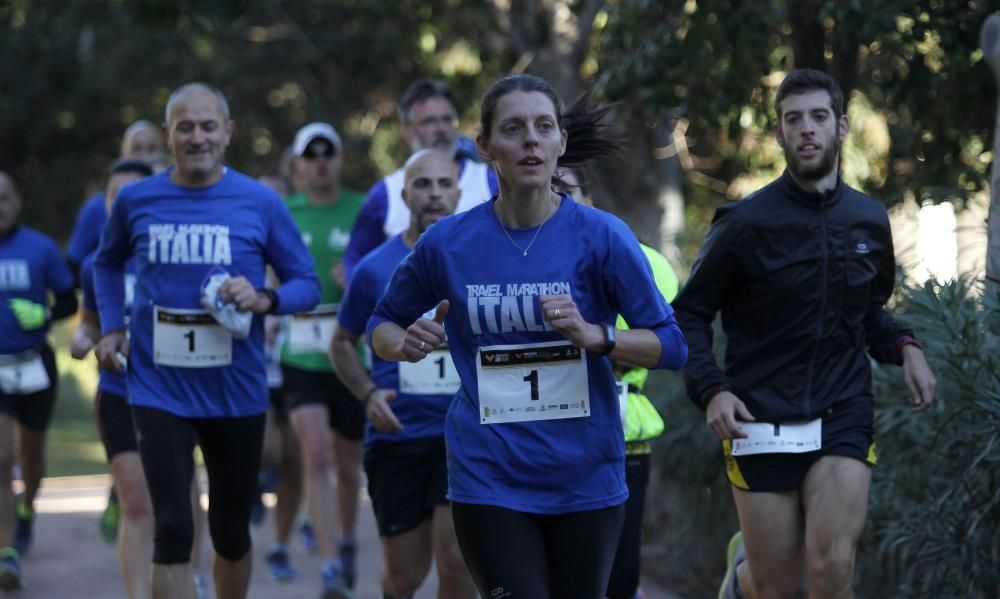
(327, 419)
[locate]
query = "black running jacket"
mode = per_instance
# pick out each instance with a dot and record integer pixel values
(801, 280)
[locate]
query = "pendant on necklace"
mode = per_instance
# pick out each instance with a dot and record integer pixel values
(525, 253)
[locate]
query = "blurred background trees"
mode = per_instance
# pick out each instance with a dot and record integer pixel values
(693, 81)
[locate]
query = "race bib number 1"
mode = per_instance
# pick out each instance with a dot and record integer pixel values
(786, 437)
(434, 375)
(538, 381)
(189, 339)
(311, 332)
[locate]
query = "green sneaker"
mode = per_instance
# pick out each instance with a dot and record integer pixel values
(729, 589)
(10, 569)
(110, 519)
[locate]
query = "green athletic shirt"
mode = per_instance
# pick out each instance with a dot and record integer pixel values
(325, 231)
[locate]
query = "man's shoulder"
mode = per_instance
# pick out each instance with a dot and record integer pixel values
(235, 179)
(35, 238)
(383, 259)
(380, 189)
(863, 203)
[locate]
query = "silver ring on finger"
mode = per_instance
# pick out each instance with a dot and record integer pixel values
(556, 313)
(422, 345)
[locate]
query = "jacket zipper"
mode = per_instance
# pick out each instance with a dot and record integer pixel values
(824, 267)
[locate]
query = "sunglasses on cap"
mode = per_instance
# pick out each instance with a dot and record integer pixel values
(315, 150)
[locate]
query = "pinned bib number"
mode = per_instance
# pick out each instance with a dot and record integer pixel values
(189, 339)
(311, 332)
(23, 373)
(536, 381)
(786, 437)
(434, 375)
(622, 389)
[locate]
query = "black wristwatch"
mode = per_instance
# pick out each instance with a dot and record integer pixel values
(273, 296)
(609, 339)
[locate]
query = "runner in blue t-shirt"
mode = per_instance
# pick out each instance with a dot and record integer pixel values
(195, 355)
(141, 141)
(529, 286)
(31, 268)
(406, 405)
(114, 417)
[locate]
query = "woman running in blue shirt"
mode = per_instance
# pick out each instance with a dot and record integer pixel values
(528, 287)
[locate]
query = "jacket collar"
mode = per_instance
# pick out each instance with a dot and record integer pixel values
(808, 198)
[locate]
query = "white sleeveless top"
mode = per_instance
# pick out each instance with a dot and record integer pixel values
(473, 183)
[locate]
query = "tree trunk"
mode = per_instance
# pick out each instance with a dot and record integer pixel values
(989, 41)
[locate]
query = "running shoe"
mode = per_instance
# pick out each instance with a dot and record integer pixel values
(348, 563)
(308, 535)
(24, 523)
(334, 585)
(110, 519)
(200, 586)
(735, 555)
(10, 569)
(279, 565)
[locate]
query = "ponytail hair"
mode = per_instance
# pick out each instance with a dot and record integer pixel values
(588, 137)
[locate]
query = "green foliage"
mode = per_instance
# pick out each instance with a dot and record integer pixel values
(77, 72)
(935, 501)
(915, 63)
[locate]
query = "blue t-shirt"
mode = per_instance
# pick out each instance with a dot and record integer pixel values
(422, 416)
(108, 381)
(90, 221)
(540, 466)
(177, 234)
(31, 266)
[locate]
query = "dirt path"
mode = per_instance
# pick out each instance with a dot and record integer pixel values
(69, 559)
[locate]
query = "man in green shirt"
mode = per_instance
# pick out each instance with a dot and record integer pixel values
(327, 419)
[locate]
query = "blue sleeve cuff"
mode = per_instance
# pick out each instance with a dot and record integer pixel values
(673, 346)
(373, 323)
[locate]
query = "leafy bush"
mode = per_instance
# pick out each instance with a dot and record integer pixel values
(935, 503)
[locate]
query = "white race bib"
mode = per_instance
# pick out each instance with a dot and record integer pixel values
(434, 375)
(622, 389)
(189, 339)
(312, 331)
(23, 373)
(787, 437)
(536, 381)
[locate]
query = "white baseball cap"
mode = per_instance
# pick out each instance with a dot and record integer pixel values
(312, 131)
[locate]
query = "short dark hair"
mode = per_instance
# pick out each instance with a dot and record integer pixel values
(130, 165)
(420, 91)
(801, 81)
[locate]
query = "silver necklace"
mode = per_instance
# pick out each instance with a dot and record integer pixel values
(524, 250)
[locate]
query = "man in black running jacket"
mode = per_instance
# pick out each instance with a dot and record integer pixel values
(800, 271)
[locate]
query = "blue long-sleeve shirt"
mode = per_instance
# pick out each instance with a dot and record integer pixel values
(180, 360)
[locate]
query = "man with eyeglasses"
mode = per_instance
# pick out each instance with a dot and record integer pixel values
(327, 420)
(429, 121)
